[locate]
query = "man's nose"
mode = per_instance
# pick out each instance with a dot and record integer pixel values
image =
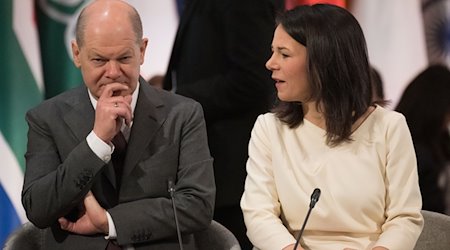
(113, 70)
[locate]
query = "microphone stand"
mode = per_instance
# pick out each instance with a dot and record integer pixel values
(171, 192)
(314, 199)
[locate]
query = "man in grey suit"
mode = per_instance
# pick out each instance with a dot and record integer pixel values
(74, 187)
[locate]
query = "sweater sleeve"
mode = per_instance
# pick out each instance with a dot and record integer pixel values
(404, 221)
(260, 203)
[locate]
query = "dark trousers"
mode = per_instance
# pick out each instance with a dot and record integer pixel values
(231, 217)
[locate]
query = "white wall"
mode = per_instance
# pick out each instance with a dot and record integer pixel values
(160, 21)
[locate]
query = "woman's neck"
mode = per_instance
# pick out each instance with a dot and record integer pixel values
(314, 114)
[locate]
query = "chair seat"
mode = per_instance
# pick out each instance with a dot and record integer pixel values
(215, 237)
(28, 237)
(436, 232)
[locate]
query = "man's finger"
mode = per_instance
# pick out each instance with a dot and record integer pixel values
(63, 223)
(113, 89)
(128, 99)
(90, 199)
(90, 202)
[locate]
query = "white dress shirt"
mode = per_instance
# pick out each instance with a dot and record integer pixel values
(104, 151)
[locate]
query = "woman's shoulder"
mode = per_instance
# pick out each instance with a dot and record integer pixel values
(382, 120)
(386, 116)
(269, 119)
(267, 123)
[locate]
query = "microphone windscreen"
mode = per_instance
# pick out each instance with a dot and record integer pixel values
(315, 197)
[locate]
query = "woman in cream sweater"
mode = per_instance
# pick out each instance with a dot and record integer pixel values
(325, 132)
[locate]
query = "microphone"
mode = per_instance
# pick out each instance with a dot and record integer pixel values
(314, 199)
(171, 190)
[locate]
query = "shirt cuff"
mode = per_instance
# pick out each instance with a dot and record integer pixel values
(102, 149)
(112, 233)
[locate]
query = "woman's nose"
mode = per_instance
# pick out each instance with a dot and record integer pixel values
(270, 64)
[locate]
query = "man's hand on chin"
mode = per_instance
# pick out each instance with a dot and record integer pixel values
(93, 220)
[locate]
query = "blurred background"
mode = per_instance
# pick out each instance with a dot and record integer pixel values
(403, 38)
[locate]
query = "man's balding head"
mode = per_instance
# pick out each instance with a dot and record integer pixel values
(109, 47)
(113, 12)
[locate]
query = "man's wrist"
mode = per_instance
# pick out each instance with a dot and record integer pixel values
(111, 229)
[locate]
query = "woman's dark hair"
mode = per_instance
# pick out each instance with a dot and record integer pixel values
(425, 103)
(338, 67)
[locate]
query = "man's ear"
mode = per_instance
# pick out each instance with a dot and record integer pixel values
(142, 49)
(76, 53)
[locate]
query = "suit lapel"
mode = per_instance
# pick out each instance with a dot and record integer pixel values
(146, 123)
(80, 119)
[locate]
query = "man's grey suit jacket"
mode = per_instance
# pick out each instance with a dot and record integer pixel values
(167, 141)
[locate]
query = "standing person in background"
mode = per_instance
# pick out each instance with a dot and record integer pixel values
(218, 60)
(327, 133)
(426, 105)
(100, 156)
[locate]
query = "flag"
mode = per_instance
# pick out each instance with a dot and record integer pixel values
(56, 24)
(395, 37)
(23, 77)
(436, 15)
(20, 89)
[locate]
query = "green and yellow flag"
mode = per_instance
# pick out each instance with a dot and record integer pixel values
(56, 24)
(20, 89)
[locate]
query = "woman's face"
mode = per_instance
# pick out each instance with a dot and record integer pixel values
(288, 64)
